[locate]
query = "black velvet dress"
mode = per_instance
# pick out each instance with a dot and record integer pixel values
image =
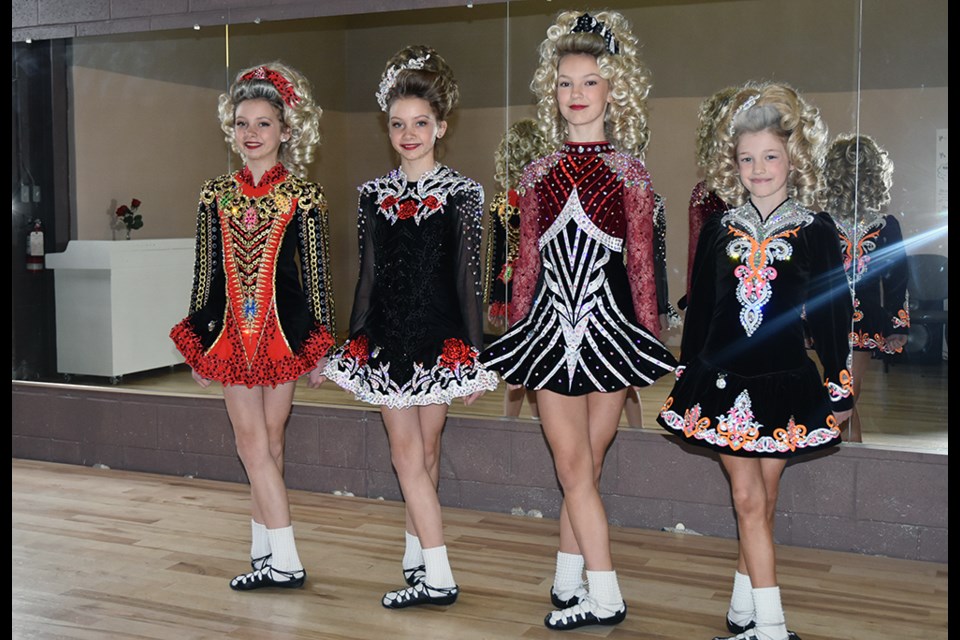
(876, 264)
(416, 325)
(745, 385)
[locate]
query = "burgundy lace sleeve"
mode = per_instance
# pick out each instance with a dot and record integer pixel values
(527, 268)
(697, 213)
(638, 204)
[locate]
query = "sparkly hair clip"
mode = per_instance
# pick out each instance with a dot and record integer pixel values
(390, 78)
(749, 102)
(588, 24)
(279, 82)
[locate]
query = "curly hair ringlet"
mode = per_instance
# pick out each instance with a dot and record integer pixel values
(859, 176)
(432, 81)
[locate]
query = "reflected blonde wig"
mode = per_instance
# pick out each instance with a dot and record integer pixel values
(625, 122)
(521, 145)
(858, 176)
(301, 121)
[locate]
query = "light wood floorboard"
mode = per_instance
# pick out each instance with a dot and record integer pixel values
(99, 553)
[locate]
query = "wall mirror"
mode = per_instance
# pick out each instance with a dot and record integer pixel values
(143, 125)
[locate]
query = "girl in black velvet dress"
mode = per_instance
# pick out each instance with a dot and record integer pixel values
(746, 387)
(417, 323)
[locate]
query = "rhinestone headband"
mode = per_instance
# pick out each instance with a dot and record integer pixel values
(588, 24)
(749, 102)
(390, 78)
(279, 82)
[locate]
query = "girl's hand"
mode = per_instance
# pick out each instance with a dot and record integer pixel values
(316, 377)
(468, 400)
(203, 382)
(897, 341)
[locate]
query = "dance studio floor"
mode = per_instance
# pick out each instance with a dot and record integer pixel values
(107, 554)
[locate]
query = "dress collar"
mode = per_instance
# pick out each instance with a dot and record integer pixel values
(274, 175)
(587, 147)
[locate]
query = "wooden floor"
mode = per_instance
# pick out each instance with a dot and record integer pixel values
(99, 553)
(905, 407)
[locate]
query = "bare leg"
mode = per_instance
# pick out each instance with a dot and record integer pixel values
(258, 414)
(568, 423)
(532, 402)
(633, 409)
(512, 401)
(432, 418)
(852, 429)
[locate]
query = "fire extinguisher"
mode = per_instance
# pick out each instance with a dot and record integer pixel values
(35, 260)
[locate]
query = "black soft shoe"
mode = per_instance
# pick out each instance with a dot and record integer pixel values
(751, 634)
(563, 604)
(415, 576)
(268, 577)
(260, 563)
(735, 628)
(580, 615)
(419, 594)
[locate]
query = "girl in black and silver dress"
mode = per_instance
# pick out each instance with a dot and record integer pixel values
(586, 326)
(417, 325)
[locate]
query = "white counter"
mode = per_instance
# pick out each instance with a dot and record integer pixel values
(116, 301)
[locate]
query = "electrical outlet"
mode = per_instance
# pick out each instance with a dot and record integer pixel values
(24, 193)
(36, 193)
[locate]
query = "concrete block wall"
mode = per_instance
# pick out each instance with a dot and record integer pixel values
(851, 498)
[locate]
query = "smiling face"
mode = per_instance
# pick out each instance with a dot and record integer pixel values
(582, 95)
(414, 130)
(258, 133)
(764, 167)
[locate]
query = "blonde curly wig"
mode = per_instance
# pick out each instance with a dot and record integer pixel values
(858, 176)
(521, 145)
(630, 80)
(778, 107)
(302, 119)
(432, 80)
(710, 112)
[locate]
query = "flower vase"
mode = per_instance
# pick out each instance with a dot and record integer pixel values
(128, 233)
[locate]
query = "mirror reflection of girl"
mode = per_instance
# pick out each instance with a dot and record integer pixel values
(859, 176)
(417, 319)
(704, 203)
(522, 143)
(261, 309)
(585, 319)
(746, 387)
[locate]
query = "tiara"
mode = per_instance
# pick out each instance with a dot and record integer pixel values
(279, 82)
(390, 78)
(749, 102)
(588, 24)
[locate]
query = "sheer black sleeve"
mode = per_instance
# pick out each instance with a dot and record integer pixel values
(467, 211)
(702, 291)
(366, 213)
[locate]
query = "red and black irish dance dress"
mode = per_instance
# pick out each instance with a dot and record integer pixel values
(586, 319)
(417, 320)
(251, 321)
(876, 264)
(503, 239)
(746, 385)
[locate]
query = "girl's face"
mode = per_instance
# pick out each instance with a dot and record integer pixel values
(764, 166)
(582, 95)
(414, 130)
(258, 132)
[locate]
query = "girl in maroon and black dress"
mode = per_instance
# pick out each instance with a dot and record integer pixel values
(261, 312)
(585, 319)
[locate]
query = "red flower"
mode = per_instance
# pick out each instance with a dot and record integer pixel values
(135, 203)
(512, 198)
(359, 350)
(408, 209)
(431, 202)
(388, 202)
(122, 210)
(456, 353)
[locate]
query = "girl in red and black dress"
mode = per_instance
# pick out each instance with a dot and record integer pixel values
(261, 312)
